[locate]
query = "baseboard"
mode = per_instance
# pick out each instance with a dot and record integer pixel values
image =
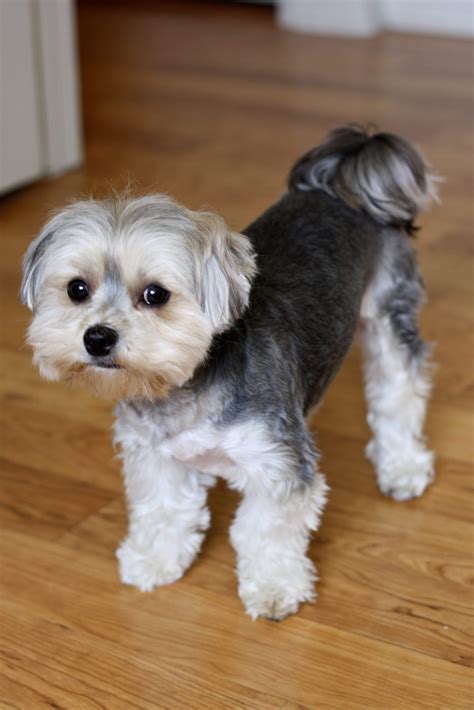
(329, 17)
(438, 17)
(363, 18)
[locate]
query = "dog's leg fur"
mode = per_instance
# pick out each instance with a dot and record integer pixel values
(397, 382)
(167, 510)
(270, 534)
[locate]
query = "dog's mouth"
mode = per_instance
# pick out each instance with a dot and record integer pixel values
(106, 365)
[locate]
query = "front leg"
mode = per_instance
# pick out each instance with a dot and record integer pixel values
(168, 515)
(270, 534)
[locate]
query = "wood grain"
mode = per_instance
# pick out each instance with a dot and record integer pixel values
(212, 103)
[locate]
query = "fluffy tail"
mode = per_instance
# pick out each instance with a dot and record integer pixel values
(383, 174)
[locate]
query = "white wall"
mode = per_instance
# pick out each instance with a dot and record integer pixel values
(364, 18)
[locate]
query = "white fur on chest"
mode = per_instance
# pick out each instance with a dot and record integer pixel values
(204, 448)
(238, 452)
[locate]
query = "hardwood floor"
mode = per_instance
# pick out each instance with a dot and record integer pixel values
(212, 104)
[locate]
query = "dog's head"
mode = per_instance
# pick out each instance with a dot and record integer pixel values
(127, 294)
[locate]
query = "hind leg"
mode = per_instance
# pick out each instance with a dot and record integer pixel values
(397, 382)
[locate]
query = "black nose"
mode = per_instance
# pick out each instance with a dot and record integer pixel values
(99, 340)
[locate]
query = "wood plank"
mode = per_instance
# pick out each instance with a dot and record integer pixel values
(91, 602)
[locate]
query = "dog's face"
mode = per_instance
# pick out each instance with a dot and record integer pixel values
(127, 294)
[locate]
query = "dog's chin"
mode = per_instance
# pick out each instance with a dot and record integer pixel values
(109, 381)
(115, 383)
(119, 383)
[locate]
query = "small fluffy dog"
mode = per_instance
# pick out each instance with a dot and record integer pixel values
(218, 345)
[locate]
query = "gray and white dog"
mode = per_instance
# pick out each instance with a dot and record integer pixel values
(218, 345)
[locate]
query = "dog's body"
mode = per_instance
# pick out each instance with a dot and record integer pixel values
(248, 363)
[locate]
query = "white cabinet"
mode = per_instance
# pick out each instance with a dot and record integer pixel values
(40, 130)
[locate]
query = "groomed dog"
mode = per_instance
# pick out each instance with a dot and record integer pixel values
(218, 345)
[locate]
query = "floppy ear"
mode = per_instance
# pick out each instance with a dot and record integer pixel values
(33, 264)
(227, 271)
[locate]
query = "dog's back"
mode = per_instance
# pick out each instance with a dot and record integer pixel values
(315, 257)
(323, 253)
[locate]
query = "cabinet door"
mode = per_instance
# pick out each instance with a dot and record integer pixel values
(40, 120)
(21, 150)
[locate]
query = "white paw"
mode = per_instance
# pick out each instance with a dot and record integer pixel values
(155, 565)
(404, 476)
(279, 595)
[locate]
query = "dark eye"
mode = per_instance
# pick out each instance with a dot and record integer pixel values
(155, 295)
(77, 290)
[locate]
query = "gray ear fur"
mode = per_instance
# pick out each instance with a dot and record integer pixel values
(32, 266)
(227, 273)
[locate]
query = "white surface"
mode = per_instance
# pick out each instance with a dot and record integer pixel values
(441, 17)
(21, 157)
(366, 17)
(61, 116)
(40, 130)
(329, 17)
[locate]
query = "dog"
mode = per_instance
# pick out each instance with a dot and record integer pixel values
(218, 344)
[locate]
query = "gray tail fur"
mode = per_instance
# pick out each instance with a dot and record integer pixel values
(383, 174)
